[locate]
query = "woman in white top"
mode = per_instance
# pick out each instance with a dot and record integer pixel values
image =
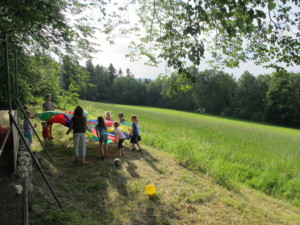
(121, 137)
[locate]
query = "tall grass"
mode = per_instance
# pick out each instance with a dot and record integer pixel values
(264, 157)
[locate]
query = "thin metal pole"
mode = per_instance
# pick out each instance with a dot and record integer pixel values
(34, 159)
(7, 73)
(23, 111)
(16, 78)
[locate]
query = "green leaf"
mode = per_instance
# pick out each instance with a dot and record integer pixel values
(271, 5)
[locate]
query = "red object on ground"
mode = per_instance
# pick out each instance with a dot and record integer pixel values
(3, 132)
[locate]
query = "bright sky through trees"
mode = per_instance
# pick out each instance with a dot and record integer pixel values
(116, 54)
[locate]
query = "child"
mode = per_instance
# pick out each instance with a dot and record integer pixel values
(121, 117)
(26, 109)
(102, 135)
(48, 106)
(108, 116)
(45, 132)
(79, 126)
(121, 137)
(27, 128)
(135, 132)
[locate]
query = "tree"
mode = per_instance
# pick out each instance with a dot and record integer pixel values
(153, 92)
(247, 97)
(180, 32)
(125, 91)
(35, 76)
(112, 73)
(87, 92)
(173, 30)
(265, 32)
(128, 73)
(283, 99)
(120, 73)
(73, 74)
(177, 31)
(46, 26)
(263, 82)
(214, 91)
(103, 84)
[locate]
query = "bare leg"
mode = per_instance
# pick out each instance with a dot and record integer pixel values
(133, 147)
(50, 130)
(76, 147)
(102, 150)
(105, 149)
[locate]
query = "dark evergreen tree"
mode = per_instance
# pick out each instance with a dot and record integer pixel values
(112, 73)
(120, 73)
(103, 84)
(128, 73)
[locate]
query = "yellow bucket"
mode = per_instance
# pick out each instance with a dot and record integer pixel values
(150, 190)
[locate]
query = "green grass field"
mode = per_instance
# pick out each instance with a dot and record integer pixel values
(262, 156)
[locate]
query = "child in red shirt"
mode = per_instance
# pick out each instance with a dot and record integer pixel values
(45, 132)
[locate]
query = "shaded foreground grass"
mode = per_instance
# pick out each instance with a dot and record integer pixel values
(262, 156)
(100, 193)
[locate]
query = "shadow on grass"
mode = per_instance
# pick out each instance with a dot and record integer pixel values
(146, 157)
(85, 190)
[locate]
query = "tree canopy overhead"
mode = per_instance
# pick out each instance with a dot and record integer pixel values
(266, 32)
(47, 26)
(178, 31)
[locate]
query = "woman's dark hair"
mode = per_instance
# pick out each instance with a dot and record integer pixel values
(78, 111)
(101, 123)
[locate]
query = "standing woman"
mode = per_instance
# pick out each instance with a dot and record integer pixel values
(79, 126)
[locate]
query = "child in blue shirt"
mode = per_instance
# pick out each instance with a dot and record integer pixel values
(102, 135)
(27, 128)
(135, 132)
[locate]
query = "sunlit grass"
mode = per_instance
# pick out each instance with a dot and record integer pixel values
(264, 157)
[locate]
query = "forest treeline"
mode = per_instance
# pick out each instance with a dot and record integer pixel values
(273, 98)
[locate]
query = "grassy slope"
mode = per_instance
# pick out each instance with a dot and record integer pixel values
(262, 156)
(101, 194)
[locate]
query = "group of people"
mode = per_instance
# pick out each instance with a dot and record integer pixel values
(79, 127)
